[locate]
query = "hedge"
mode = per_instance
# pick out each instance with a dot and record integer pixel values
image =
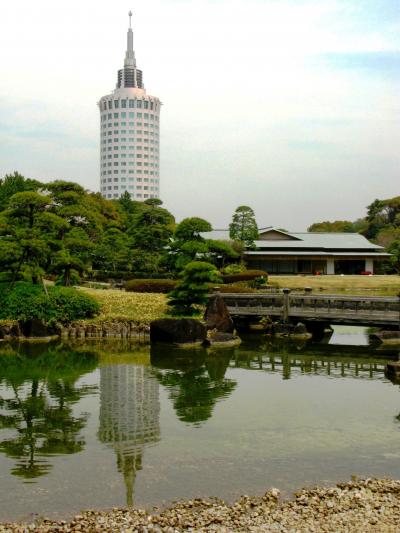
(61, 306)
(247, 275)
(150, 285)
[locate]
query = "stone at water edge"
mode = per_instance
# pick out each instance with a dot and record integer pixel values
(219, 339)
(178, 331)
(393, 368)
(300, 329)
(217, 315)
(37, 328)
(385, 337)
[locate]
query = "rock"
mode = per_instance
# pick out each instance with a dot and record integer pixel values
(178, 331)
(218, 339)
(300, 332)
(279, 328)
(386, 337)
(300, 329)
(393, 368)
(10, 331)
(36, 328)
(217, 315)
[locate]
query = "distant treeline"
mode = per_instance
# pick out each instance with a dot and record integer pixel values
(381, 225)
(61, 231)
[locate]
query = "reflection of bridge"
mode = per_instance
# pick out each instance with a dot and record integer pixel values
(293, 364)
(328, 309)
(129, 416)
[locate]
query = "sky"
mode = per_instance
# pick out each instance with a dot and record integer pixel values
(291, 107)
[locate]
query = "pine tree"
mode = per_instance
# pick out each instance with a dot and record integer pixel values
(243, 227)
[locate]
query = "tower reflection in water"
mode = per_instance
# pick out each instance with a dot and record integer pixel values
(129, 416)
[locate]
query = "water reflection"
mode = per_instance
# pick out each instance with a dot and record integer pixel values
(41, 394)
(195, 380)
(36, 407)
(294, 358)
(129, 416)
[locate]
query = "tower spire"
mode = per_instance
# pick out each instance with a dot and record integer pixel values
(130, 60)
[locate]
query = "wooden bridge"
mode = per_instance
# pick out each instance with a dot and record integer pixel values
(327, 309)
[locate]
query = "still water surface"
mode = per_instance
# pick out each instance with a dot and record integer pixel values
(109, 424)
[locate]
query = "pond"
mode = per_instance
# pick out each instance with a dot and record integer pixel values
(108, 424)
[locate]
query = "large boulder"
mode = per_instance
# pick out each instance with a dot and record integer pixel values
(9, 331)
(37, 328)
(178, 331)
(217, 315)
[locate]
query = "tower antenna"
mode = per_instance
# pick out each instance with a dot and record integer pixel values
(130, 19)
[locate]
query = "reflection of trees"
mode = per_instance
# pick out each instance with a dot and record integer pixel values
(195, 381)
(129, 416)
(40, 389)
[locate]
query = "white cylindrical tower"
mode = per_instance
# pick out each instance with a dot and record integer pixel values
(130, 135)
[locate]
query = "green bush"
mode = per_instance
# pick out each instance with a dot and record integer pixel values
(106, 275)
(193, 288)
(235, 268)
(247, 275)
(62, 305)
(150, 285)
(6, 277)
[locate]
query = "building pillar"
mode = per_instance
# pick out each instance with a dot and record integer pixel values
(369, 265)
(330, 266)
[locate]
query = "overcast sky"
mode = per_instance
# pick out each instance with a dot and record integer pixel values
(291, 107)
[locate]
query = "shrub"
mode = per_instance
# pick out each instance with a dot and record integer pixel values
(193, 288)
(247, 275)
(235, 268)
(106, 275)
(6, 277)
(62, 305)
(150, 285)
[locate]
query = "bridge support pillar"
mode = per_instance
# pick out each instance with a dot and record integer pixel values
(369, 265)
(286, 305)
(330, 266)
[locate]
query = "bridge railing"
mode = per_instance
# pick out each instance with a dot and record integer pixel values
(319, 306)
(353, 304)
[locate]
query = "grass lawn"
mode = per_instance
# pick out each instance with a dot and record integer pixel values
(365, 285)
(145, 307)
(121, 305)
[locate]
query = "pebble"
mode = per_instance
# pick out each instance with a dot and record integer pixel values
(368, 506)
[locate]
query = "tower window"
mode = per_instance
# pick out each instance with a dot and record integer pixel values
(116, 104)
(131, 103)
(123, 104)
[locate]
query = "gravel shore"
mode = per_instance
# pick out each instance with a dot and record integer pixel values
(370, 505)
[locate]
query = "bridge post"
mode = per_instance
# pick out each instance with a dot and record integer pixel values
(286, 305)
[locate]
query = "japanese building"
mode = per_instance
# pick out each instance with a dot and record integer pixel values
(279, 252)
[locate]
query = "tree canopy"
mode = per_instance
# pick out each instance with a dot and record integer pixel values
(243, 227)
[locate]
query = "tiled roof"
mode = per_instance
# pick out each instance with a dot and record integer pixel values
(344, 241)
